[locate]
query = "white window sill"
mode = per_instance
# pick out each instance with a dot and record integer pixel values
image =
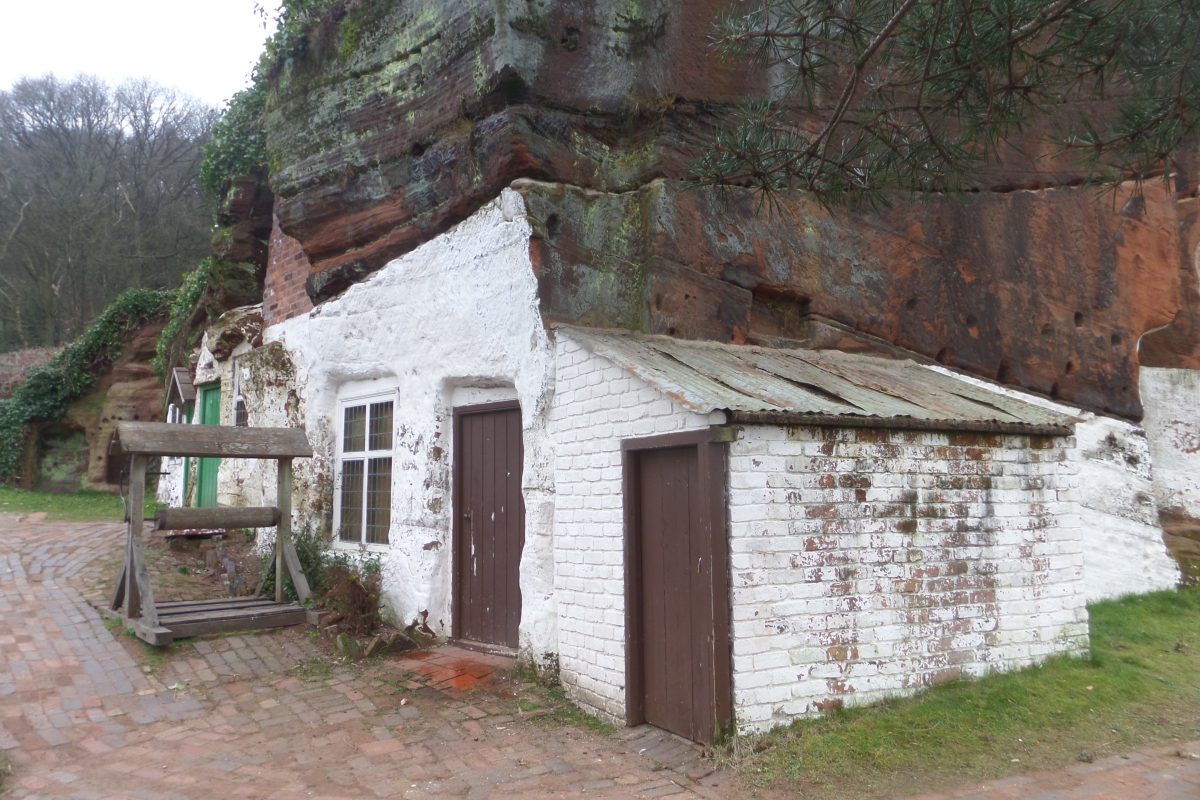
(354, 547)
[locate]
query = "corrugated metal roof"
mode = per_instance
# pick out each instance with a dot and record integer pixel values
(760, 384)
(183, 384)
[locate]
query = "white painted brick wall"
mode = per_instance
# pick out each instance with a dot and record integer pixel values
(869, 563)
(597, 404)
(1119, 475)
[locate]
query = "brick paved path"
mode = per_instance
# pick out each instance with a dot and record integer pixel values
(86, 713)
(89, 713)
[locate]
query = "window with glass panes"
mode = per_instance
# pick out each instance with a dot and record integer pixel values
(365, 472)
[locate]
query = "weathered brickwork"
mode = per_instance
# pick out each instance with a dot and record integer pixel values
(596, 405)
(284, 295)
(868, 563)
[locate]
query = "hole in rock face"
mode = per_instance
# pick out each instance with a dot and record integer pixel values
(658, 302)
(1047, 329)
(1054, 391)
(418, 149)
(552, 225)
(943, 355)
(1002, 371)
(1078, 319)
(911, 303)
(1070, 367)
(970, 320)
(1115, 340)
(570, 39)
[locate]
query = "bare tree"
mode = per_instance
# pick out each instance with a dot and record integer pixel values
(98, 192)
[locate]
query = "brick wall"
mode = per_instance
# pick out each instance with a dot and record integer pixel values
(596, 405)
(869, 563)
(284, 296)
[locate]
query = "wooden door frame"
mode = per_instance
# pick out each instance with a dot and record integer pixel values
(711, 449)
(458, 413)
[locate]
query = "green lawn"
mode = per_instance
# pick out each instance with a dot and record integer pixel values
(1140, 686)
(74, 507)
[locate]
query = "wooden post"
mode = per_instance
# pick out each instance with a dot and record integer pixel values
(284, 531)
(139, 597)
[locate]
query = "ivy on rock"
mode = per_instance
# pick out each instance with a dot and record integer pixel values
(48, 391)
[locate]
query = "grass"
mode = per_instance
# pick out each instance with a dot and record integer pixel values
(554, 705)
(151, 657)
(314, 669)
(82, 506)
(1141, 685)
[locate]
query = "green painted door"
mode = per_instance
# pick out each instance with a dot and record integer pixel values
(206, 477)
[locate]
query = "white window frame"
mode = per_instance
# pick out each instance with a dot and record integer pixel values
(366, 395)
(237, 369)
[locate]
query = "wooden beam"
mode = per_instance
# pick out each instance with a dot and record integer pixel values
(118, 596)
(292, 560)
(222, 518)
(221, 441)
(285, 550)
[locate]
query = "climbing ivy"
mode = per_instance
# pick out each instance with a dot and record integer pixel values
(239, 141)
(48, 391)
(183, 303)
(239, 144)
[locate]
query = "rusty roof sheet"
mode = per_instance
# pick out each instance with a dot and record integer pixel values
(181, 381)
(761, 384)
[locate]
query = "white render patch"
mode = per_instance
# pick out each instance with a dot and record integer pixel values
(1171, 398)
(596, 405)
(869, 563)
(458, 315)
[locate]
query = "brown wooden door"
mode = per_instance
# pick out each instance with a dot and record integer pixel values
(679, 675)
(489, 523)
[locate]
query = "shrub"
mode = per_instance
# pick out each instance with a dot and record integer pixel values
(347, 585)
(354, 589)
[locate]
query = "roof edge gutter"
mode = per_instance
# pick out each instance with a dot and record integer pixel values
(895, 423)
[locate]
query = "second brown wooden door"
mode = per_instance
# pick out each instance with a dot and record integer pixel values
(678, 660)
(489, 524)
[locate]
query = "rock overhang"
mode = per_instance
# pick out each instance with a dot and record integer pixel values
(399, 121)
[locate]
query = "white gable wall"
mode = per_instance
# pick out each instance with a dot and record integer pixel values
(455, 321)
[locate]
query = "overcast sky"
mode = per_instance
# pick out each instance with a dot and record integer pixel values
(202, 47)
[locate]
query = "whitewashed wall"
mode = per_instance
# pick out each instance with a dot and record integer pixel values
(1171, 398)
(1123, 546)
(869, 563)
(596, 405)
(455, 321)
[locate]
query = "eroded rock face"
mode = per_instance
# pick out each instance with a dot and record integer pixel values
(403, 118)
(400, 120)
(1048, 290)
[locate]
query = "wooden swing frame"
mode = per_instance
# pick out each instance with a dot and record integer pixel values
(133, 598)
